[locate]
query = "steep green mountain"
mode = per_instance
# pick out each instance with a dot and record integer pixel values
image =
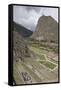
(22, 30)
(46, 29)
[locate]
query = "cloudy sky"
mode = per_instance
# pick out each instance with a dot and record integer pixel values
(28, 16)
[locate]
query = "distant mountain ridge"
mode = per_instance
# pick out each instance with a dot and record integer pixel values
(46, 29)
(22, 30)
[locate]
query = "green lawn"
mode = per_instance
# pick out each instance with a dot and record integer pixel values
(48, 64)
(42, 57)
(40, 52)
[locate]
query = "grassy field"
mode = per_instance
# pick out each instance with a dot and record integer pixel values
(39, 68)
(43, 59)
(48, 64)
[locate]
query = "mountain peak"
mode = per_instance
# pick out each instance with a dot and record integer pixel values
(24, 32)
(46, 18)
(46, 29)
